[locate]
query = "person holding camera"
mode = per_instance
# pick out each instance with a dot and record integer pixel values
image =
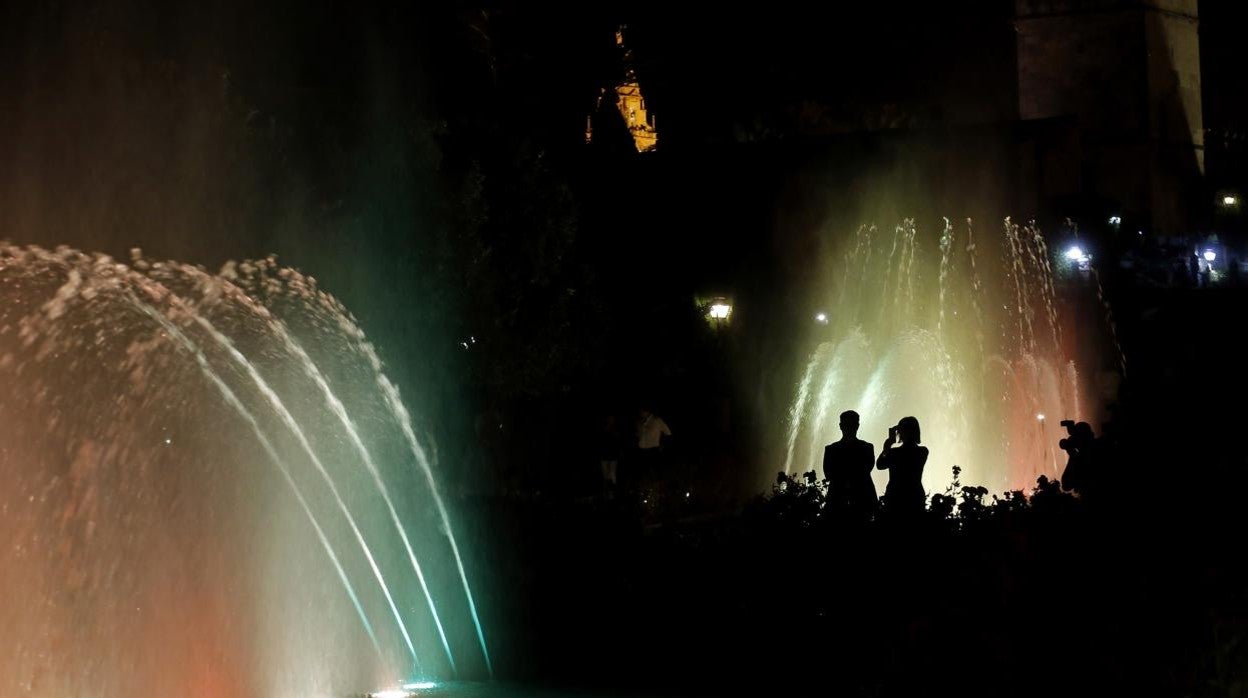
(1081, 466)
(903, 457)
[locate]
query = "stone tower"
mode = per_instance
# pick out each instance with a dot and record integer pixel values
(1127, 72)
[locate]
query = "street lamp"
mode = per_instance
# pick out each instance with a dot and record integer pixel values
(718, 310)
(1078, 258)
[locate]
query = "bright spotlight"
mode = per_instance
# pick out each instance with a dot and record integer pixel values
(821, 318)
(720, 311)
(1210, 255)
(1075, 253)
(1040, 417)
(1115, 220)
(1229, 200)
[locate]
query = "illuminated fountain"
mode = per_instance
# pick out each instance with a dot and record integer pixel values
(211, 488)
(962, 331)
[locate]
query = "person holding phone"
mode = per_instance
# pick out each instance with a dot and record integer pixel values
(903, 456)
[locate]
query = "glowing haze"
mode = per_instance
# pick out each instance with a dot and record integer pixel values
(211, 489)
(959, 327)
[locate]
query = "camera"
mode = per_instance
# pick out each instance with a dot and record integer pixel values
(1081, 436)
(1067, 444)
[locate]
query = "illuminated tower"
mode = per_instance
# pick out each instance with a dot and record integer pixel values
(630, 103)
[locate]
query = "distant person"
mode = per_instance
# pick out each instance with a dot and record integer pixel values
(1080, 473)
(610, 448)
(847, 467)
(904, 462)
(650, 432)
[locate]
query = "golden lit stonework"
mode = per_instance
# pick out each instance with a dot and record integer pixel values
(631, 104)
(632, 107)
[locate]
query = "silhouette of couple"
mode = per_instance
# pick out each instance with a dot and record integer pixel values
(847, 467)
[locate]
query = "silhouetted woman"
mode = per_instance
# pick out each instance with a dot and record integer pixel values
(904, 463)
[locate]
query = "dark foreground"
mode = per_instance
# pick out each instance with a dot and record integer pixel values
(1022, 598)
(1142, 592)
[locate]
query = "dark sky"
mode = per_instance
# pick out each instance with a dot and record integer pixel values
(127, 115)
(705, 67)
(1224, 76)
(706, 70)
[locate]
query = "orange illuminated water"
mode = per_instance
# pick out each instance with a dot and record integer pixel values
(211, 488)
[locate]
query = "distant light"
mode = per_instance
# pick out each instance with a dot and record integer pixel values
(1139, 232)
(419, 686)
(1040, 416)
(1074, 254)
(686, 495)
(168, 440)
(1210, 255)
(720, 311)
(821, 318)
(1229, 200)
(1115, 220)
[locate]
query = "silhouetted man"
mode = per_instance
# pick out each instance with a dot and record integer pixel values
(847, 467)
(610, 447)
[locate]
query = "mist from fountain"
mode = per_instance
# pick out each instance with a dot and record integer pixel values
(151, 549)
(967, 337)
